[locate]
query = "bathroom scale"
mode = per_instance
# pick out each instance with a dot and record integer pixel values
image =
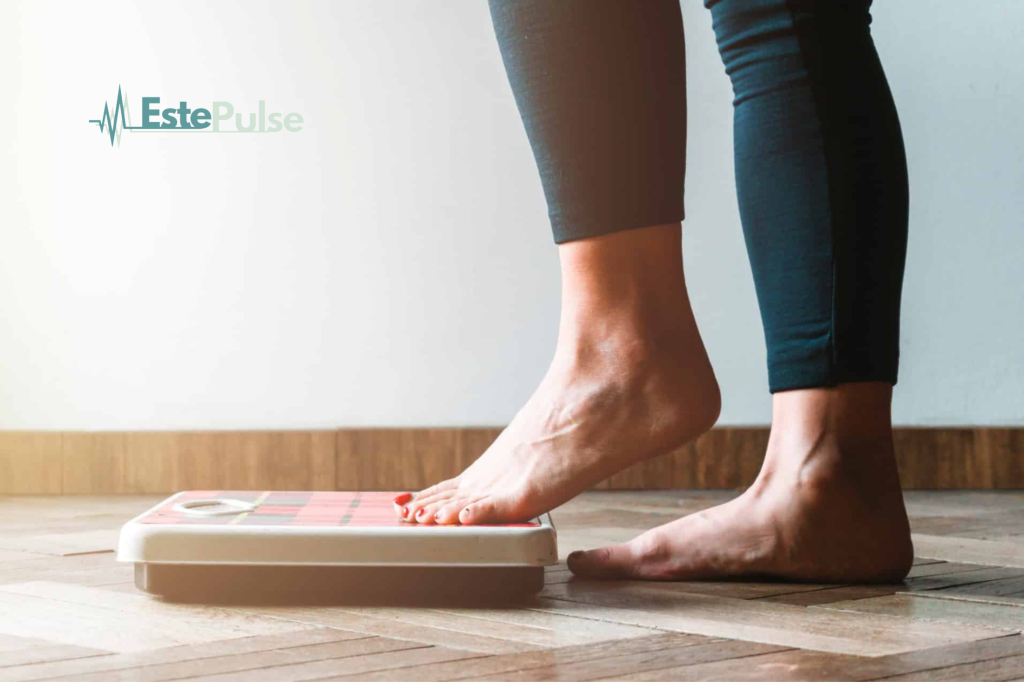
(313, 546)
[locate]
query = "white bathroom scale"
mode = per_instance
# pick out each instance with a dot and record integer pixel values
(250, 545)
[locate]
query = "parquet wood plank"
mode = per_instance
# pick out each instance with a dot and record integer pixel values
(1007, 587)
(995, 670)
(252, 665)
(969, 550)
(64, 544)
(936, 575)
(34, 515)
(583, 630)
(759, 621)
(95, 577)
(733, 589)
(126, 587)
(21, 651)
(90, 617)
(810, 594)
(962, 579)
(996, 617)
(44, 654)
(641, 665)
(397, 629)
(802, 665)
(833, 594)
(1004, 600)
(404, 657)
(114, 664)
(24, 570)
(8, 556)
(458, 621)
(982, 525)
(939, 567)
(83, 569)
(494, 665)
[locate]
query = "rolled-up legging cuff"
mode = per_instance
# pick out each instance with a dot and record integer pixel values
(813, 374)
(575, 227)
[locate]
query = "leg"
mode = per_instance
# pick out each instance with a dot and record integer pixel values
(600, 86)
(821, 179)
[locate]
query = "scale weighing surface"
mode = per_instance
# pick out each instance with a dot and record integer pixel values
(312, 546)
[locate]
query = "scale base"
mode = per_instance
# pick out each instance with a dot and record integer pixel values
(364, 585)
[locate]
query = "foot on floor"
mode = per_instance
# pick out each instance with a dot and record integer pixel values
(825, 508)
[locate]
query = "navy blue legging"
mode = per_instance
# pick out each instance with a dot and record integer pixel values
(820, 167)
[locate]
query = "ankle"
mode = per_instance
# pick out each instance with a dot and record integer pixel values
(855, 415)
(625, 282)
(626, 318)
(827, 437)
(625, 293)
(628, 339)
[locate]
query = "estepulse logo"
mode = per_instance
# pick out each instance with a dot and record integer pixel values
(183, 119)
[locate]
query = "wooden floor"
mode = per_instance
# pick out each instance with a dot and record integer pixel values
(68, 611)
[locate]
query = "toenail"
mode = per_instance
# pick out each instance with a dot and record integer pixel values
(405, 512)
(437, 517)
(403, 498)
(420, 513)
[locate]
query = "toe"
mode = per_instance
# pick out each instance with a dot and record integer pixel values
(487, 510)
(426, 513)
(616, 561)
(402, 510)
(449, 513)
(421, 502)
(401, 503)
(645, 557)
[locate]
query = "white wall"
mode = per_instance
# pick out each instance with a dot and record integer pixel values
(392, 264)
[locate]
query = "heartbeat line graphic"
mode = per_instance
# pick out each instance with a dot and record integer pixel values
(114, 127)
(196, 120)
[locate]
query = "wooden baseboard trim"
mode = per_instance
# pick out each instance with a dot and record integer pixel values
(37, 462)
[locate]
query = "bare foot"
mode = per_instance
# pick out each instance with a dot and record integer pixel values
(630, 380)
(826, 507)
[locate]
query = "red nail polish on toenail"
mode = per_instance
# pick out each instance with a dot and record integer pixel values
(403, 498)
(420, 513)
(405, 512)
